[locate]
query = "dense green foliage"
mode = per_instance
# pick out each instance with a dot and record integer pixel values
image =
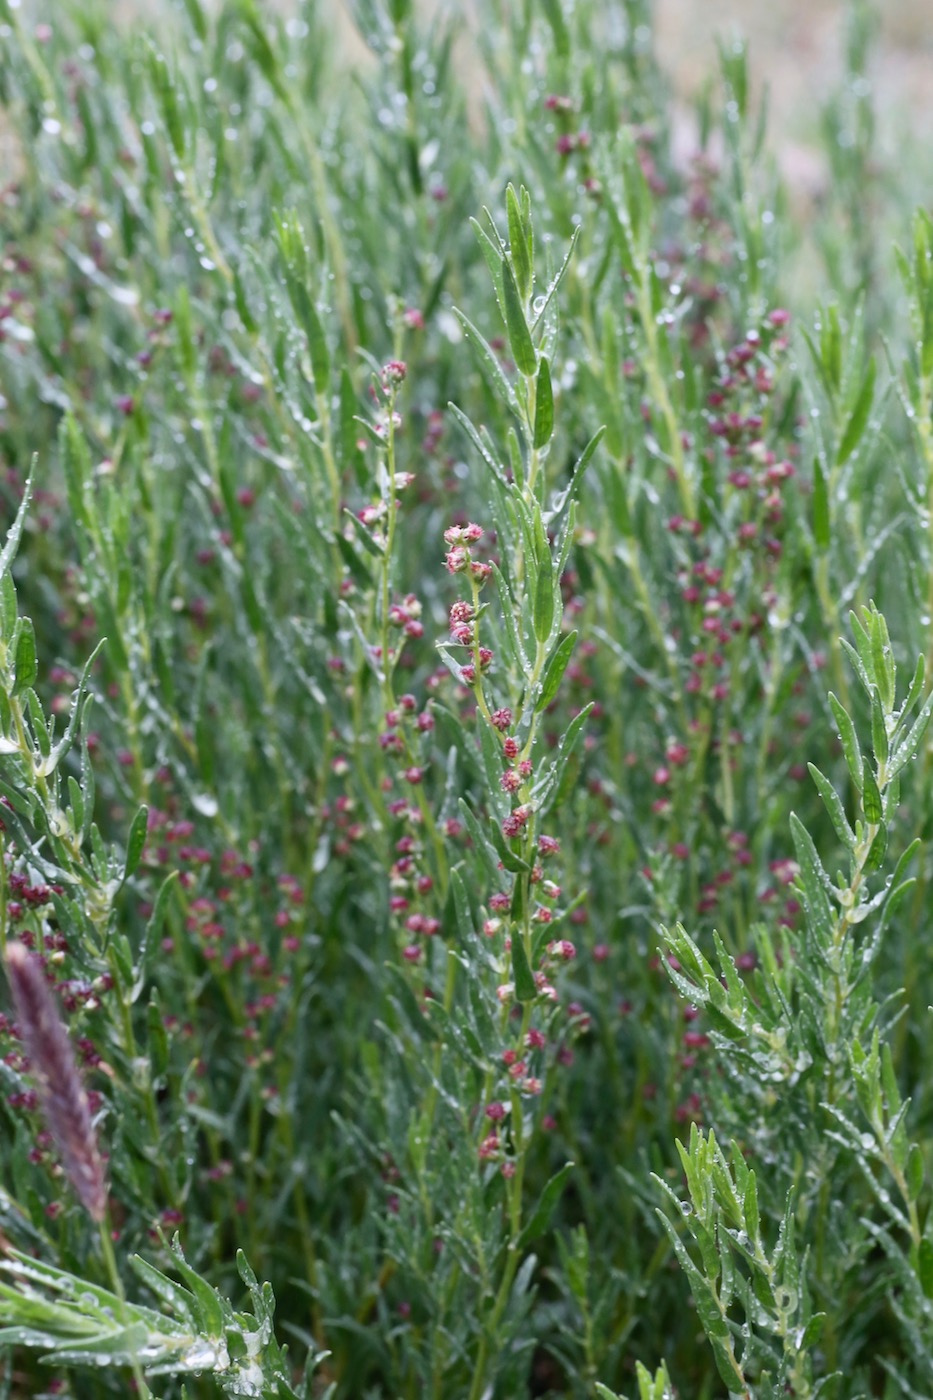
(443, 668)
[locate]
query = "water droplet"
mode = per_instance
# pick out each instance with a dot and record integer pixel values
(201, 1357)
(786, 1299)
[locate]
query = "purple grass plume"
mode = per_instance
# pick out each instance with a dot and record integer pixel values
(61, 1093)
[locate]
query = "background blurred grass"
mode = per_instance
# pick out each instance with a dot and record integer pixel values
(796, 49)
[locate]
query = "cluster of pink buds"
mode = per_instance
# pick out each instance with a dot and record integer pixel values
(459, 559)
(410, 883)
(407, 616)
(462, 623)
(514, 824)
(393, 374)
(463, 534)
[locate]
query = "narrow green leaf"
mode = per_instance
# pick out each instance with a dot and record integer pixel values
(177, 1298)
(525, 989)
(25, 661)
(908, 747)
(493, 256)
(522, 346)
(571, 490)
(76, 466)
(518, 245)
(833, 804)
(487, 360)
(915, 1172)
(814, 883)
(135, 842)
(461, 907)
(78, 708)
(879, 849)
(544, 407)
(207, 1303)
(515, 651)
(556, 280)
(314, 331)
(916, 688)
(858, 665)
(349, 436)
(491, 753)
(197, 18)
(355, 565)
(516, 458)
(879, 732)
(153, 929)
(156, 1036)
(871, 797)
(813, 1331)
(184, 333)
(241, 300)
(864, 647)
(821, 525)
(831, 347)
(750, 1207)
(123, 956)
(76, 798)
(925, 1267)
(483, 448)
(8, 554)
(554, 671)
(858, 419)
(166, 91)
(548, 788)
(8, 610)
(882, 659)
(518, 906)
(554, 14)
(849, 741)
(546, 588)
(114, 1347)
(540, 1218)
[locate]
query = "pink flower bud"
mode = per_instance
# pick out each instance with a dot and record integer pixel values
(393, 373)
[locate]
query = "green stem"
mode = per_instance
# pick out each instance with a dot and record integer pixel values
(106, 1244)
